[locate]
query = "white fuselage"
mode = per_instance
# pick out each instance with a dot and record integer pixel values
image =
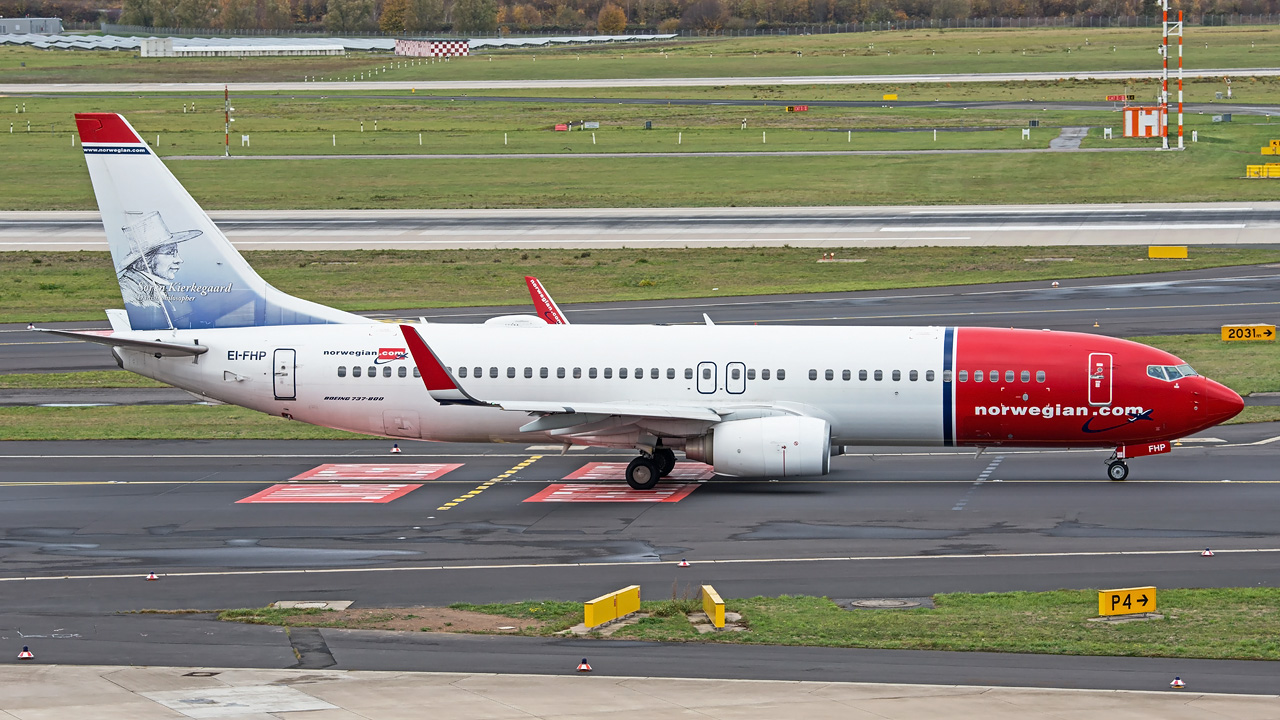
(309, 373)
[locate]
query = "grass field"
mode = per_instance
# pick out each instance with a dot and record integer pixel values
(1229, 623)
(892, 52)
(47, 286)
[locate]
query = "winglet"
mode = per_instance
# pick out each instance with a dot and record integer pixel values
(440, 383)
(542, 302)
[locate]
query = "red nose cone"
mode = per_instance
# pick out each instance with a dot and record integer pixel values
(1221, 402)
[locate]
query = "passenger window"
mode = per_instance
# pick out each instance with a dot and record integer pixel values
(897, 375)
(542, 373)
(845, 375)
(782, 374)
(591, 373)
(751, 373)
(964, 376)
(373, 371)
(511, 372)
(1039, 376)
(608, 373)
(402, 371)
(879, 375)
(355, 371)
(913, 376)
(994, 376)
(1026, 376)
(462, 372)
(342, 371)
(688, 373)
(830, 374)
(764, 374)
(528, 372)
(386, 371)
(577, 373)
(416, 373)
(1008, 376)
(977, 376)
(493, 372)
(813, 374)
(862, 375)
(671, 373)
(706, 373)
(622, 373)
(639, 373)
(560, 373)
(478, 372)
(654, 373)
(735, 373)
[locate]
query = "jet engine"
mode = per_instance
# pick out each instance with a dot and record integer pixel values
(782, 446)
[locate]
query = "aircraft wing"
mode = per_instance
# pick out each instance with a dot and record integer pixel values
(156, 347)
(542, 302)
(444, 389)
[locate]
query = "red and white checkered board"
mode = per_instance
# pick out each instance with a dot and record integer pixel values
(331, 493)
(452, 48)
(415, 472)
(618, 471)
(612, 492)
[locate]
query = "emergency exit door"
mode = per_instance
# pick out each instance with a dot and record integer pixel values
(1099, 378)
(283, 366)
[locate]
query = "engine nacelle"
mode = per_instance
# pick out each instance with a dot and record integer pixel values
(782, 446)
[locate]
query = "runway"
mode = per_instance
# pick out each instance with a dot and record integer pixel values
(85, 521)
(434, 85)
(1196, 301)
(823, 227)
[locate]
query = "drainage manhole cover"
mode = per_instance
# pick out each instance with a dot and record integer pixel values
(884, 603)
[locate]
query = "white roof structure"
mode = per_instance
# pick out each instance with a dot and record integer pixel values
(387, 44)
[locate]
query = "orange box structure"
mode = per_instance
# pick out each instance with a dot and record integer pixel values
(1145, 121)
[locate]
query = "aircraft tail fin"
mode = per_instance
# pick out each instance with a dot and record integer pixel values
(175, 267)
(543, 303)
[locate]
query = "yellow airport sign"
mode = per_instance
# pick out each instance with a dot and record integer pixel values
(1177, 252)
(1127, 601)
(713, 606)
(891, 96)
(1264, 333)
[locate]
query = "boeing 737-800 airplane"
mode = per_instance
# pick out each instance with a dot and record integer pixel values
(750, 400)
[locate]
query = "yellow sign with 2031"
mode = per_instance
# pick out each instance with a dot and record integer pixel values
(1127, 601)
(1249, 332)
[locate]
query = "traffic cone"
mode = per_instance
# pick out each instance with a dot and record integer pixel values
(583, 666)
(26, 654)
(1177, 684)
(684, 563)
(152, 576)
(395, 448)
(1207, 553)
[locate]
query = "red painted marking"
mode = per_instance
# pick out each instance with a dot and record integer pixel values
(105, 128)
(618, 471)
(386, 471)
(595, 493)
(331, 493)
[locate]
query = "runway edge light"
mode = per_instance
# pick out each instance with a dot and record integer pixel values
(1177, 684)
(1207, 553)
(152, 576)
(583, 666)
(26, 654)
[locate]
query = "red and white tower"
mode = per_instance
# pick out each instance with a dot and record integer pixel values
(1167, 29)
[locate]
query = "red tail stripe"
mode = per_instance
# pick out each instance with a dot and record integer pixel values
(433, 373)
(105, 128)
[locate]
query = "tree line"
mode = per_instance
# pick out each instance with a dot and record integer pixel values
(586, 16)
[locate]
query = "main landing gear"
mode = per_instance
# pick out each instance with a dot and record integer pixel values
(644, 472)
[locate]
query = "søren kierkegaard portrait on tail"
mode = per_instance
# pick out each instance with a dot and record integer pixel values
(149, 270)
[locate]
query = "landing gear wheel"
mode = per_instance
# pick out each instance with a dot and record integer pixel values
(666, 459)
(1117, 470)
(642, 473)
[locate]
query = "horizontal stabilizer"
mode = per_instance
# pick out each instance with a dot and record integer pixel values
(155, 347)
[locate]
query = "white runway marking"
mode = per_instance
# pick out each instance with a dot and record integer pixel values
(133, 577)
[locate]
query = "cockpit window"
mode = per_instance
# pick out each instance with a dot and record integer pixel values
(1170, 372)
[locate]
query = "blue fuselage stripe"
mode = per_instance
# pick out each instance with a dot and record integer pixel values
(948, 348)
